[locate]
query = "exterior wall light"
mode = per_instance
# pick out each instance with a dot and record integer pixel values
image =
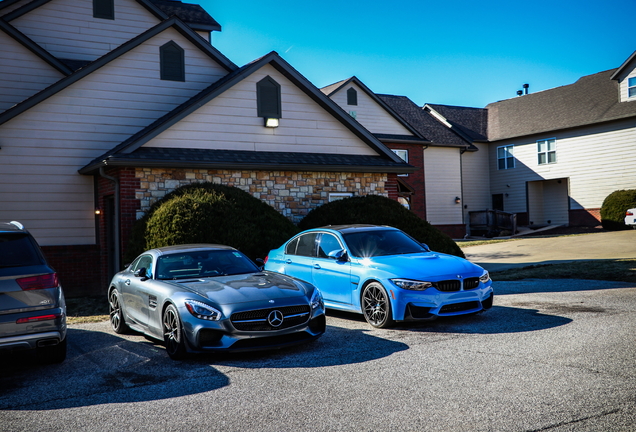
(98, 211)
(458, 200)
(271, 122)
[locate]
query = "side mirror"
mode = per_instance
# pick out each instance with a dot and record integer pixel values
(425, 246)
(141, 273)
(338, 255)
(260, 263)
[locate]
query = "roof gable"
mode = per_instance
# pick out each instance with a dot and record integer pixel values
(174, 23)
(371, 111)
(206, 103)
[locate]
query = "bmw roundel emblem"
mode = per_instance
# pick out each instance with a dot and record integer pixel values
(275, 318)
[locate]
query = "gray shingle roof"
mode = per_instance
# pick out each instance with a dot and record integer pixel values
(239, 159)
(592, 99)
(423, 122)
(472, 122)
(192, 14)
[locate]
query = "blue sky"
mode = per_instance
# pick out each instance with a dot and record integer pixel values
(448, 52)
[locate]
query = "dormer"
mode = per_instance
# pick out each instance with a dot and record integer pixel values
(626, 77)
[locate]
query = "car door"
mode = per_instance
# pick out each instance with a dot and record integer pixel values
(299, 255)
(135, 292)
(332, 276)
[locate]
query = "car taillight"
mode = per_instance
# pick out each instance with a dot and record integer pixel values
(628, 213)
(38, 318)
(38, 282)
(265, 260)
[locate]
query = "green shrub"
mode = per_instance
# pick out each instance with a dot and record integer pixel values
(614, 208)
(377, 210)
(210, 213)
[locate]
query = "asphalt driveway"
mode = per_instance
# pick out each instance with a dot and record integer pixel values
(527, 251)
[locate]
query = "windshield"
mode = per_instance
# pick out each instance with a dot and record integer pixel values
(381, 243)
(204, 263)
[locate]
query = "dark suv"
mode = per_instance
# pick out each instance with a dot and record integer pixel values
(32, 306)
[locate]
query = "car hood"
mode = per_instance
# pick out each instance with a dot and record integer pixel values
(245, 287)
(422, 266)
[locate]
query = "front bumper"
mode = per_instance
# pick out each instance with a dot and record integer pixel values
(431, 303)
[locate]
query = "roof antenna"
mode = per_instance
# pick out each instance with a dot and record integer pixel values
(525, 86)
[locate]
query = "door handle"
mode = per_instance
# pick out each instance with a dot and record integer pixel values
(317, 266)
(127, 282)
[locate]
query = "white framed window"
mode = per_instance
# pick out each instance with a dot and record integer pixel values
(546, 151)
(631, 87)
(339, 196)
(404, 155)
(506, 157)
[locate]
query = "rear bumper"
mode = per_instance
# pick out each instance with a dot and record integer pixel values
(31, 341)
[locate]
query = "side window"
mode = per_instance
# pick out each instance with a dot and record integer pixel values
(171, 57)
(404, 155)
(505, 157)
(546, 151)
(291, 247)
(328, 243)
(104, 9)
(352, 96)
(144, 261)
(631, 87)
(307, 245)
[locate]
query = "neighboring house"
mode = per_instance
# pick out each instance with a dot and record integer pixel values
(452, 172)
(555, 155)
(127, 104)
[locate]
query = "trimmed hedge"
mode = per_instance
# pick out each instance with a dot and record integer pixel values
(614, 208)
(211, 213)
(378, 210)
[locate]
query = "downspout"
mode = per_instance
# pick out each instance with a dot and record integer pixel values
(117, 260)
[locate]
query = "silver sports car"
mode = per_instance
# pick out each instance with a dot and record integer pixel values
(202, 298)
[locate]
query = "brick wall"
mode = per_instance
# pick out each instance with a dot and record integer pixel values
(76, 268)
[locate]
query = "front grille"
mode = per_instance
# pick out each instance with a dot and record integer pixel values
(256, 320)
(471, 283)
(459, 307)
(448, 285)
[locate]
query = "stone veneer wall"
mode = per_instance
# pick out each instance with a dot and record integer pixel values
(292, 193)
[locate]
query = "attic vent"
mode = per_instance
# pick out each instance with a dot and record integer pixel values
(104, 9)
(172, 62)
(352, 96)
(268, 102)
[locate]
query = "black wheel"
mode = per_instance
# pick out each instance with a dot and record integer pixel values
(375, 306)
(117, 321)
(52, 354)
(173, 334)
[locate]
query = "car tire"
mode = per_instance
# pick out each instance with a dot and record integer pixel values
(117, 321)
(52, 354)
(173, 335)
(376, 306)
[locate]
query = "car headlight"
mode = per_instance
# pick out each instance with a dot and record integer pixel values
(202, 310)
(316, 300)
(485, 277)
(414, 285)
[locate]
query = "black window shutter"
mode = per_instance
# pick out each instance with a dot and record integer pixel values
(104, 9)
(172, 62)
(268, 98)
(352, 96)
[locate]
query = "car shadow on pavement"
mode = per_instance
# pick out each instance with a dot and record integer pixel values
(103, 368)
(498, 320)
(526, 286)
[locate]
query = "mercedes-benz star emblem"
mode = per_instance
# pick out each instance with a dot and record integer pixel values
(275, 318)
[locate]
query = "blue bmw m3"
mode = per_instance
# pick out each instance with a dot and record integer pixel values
(383, 273)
